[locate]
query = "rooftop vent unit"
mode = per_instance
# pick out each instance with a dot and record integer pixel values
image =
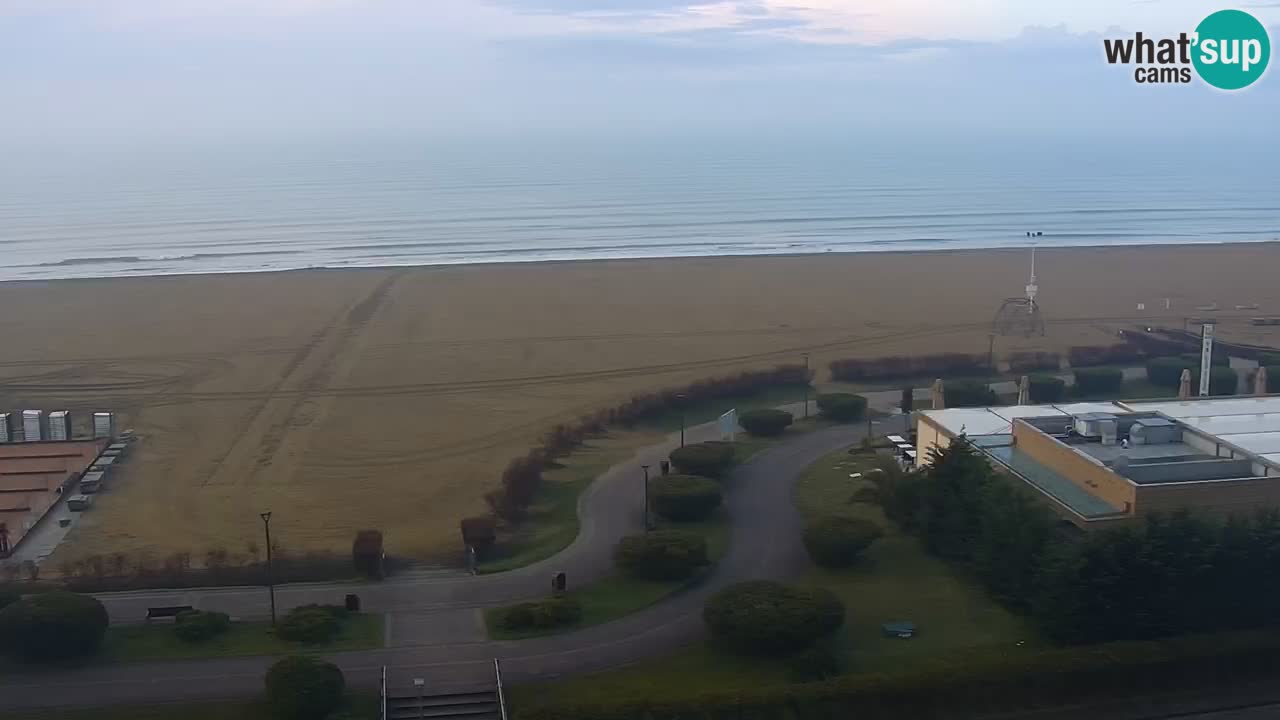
(31, 422)
(1154, 431)
(59, 425)
(1090, 424)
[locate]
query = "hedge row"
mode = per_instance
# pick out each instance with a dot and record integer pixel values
(684, 498)
(1033, 360)
(1098, 380)
(908, 366)
(662, 555)
(709, 459)
(842, 407)
(541, 614)
(765, 422)
(1167, 372)
(1090, 355)
(523, 476)
(1046, 389)
(968, 393)
(977, 685)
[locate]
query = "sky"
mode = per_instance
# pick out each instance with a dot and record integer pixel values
(83, 69)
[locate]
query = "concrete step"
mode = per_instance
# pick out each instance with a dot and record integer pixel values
(449, 706)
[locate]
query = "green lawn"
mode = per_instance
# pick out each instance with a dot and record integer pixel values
(553, 520)
(131, 643)
(361, 706)
(618, 595)
(896, 581)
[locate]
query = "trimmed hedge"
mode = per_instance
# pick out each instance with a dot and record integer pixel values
(765, 422)
(968, 393)
(1273, 378)
(684, 498)
(1222, 381)
(196, 626)
(1098, 380)
(541, 614)
(834, 542)
(662, 554)
(1167, 371)
(842, 407)
(1030, 361)
(762, 616)
(1089, 355)
(908, 366)
(304, 687)
(56, 625)
(709, 459)
(309, 624)
(1046, 388)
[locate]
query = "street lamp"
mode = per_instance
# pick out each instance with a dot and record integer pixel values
(680, 397)
(271, 585)
(646, 496)
(420, 683)
(806, 385)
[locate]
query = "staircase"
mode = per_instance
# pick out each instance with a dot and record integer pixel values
(474, 705)
(472, 701)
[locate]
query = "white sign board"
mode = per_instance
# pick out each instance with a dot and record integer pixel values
(1206, 357)
(728, 425)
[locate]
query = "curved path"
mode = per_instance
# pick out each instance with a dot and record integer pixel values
(434, 622)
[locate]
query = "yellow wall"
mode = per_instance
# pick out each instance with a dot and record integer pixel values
(928, 436)
(1080, 469)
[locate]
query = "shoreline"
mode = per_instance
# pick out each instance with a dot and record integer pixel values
(536, 263)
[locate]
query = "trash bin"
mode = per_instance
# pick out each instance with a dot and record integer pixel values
(353, 603)
(559, 582)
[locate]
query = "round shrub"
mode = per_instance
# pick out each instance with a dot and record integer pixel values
(968, 393)
(1046, 388)
(839, 541)
(541, 614)
(869, 494)
(1098, 380)
(762, 616)
(1167, 371)
(813, 664)
(765, 422)
(684, 498)
(198, 626)
(842, 407)
(303, 687)
(661, 555)
(53, 626)
(708, 459)
(310, 625)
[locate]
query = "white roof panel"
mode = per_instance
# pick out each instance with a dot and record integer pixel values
(1228, 425)
(1260, 442)
(1210, 406)
(971, 421)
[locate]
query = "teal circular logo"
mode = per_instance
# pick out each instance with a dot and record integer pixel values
(1231, 49)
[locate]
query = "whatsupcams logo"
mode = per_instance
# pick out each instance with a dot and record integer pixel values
(1228, 50)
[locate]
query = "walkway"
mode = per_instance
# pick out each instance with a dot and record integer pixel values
(434, 625)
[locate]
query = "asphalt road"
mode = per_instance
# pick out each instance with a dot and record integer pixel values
(433, 622)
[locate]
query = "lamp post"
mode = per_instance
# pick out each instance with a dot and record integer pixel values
(271, 585)
(419, 684)
(806, 385)
(680, 397)
(646, 496)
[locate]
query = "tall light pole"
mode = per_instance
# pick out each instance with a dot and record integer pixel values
(271, 584)
(646, 496)
(806, 385)
(680, 398)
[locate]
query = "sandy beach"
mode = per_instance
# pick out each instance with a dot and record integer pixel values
(391, 398)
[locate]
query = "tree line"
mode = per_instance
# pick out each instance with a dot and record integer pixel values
(1166, 575)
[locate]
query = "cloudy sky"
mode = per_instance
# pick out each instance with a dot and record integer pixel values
(149, 68)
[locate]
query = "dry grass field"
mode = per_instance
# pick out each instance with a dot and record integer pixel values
(392, 398)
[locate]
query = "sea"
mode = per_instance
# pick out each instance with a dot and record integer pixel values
(216, 206)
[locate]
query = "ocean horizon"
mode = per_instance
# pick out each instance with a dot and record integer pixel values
(220, 207)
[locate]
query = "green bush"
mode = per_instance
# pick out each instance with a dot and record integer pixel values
(762, 616)
(813, 664)
(1273, 378)
(1167, 371)
(1098, 380)
(662, 554)
(1046, 388)
(541, 614)
(55, 625)
(304, 687)
(765, 422)
(684, 498)
(1222, 381)
(708, 459)
(968, 393)
(839, 541)
(869, 494)
(312, 625)
(842, 407)
(196, 626)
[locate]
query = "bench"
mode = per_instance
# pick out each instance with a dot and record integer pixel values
(171, 611)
